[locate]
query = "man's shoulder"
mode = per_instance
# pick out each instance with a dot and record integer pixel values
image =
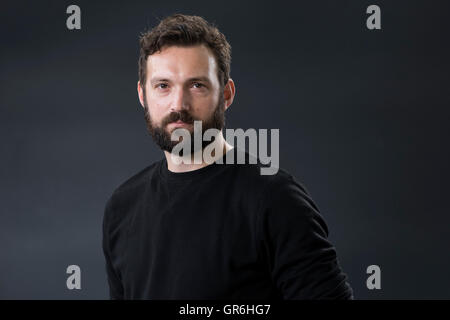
(268, 179)
(277, 187)
(128, 192)
(138, 180)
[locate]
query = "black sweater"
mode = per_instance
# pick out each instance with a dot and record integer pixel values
(220, 232)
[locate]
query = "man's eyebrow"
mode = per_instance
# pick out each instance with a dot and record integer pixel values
(154, 80)
(204, 79)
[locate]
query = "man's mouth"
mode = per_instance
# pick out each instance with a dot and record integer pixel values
(179, 123)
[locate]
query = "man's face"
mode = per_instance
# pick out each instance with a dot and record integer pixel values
(182, 86)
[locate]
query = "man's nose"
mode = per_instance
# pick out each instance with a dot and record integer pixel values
(181, 100)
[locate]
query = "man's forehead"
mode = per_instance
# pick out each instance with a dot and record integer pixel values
(176, 61)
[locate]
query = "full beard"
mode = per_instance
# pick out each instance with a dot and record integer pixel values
(162, 137)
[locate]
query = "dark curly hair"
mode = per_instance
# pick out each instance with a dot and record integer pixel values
(185, 30)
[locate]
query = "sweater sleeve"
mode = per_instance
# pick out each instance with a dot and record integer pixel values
(114, 282)
(303, 264)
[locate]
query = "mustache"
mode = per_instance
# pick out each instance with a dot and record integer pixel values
(182, 115)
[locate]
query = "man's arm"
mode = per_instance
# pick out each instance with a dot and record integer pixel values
(302, 262)
(115, 285)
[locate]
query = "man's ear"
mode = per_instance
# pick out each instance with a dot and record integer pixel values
(140, 94)
(229, 92)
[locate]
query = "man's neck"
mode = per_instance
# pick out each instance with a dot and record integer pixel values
(221, 143)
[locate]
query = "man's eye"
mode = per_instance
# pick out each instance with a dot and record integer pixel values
(198, 85)
(162, 85)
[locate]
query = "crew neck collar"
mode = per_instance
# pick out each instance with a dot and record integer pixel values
(165, 173)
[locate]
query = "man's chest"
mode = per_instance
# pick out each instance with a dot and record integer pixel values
(190, 248)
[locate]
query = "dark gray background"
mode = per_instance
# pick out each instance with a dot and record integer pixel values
(363, 118)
